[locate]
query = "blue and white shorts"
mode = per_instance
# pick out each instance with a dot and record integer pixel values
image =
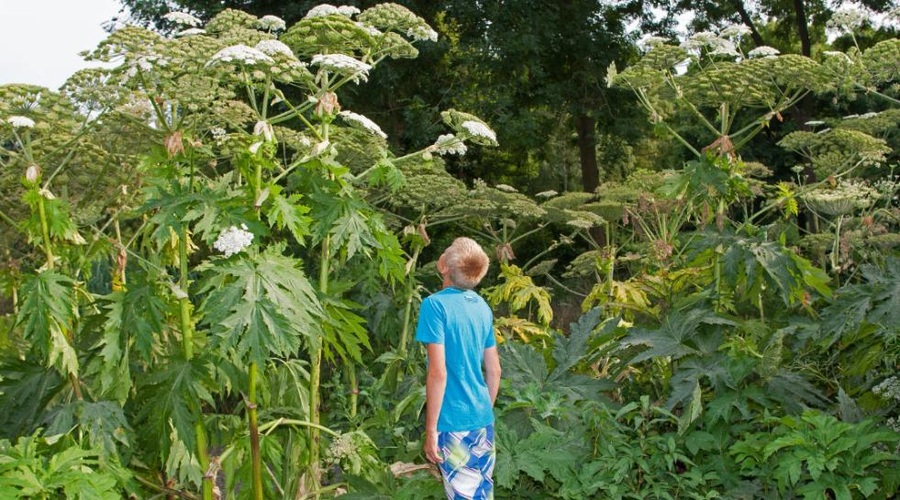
(468, 465)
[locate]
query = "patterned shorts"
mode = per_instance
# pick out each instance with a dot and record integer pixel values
(468, 465)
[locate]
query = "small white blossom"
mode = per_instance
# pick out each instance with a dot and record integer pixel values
(813, 123)
(846, 20)
(182, 18)
(479, 129)
(850, 117)
(506, 188)
(191, 32)
(736, 30)
(547, 194)
(449, 144)
(233, 240)
(824, 131)
(422, 33)
(272, 47)
(703, 39)
(343, 64)
(364, 122)
(763, 51)
(330, 10)
(264, 129)
(866, 116)
(272, 23)
(240, 53)
(218, 134)
(20, 122)
(653, 41)
(725, 48)
(371, 30)
(348, 10)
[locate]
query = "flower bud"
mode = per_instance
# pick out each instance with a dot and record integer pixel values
(33, 173)
(328, 104)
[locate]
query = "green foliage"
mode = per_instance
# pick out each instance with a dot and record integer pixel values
(815, 455)
(54, 467)
(47, 315)
(518, 291)
(259, 307)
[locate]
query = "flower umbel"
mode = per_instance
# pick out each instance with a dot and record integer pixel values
(183, 18)
(272, 23)
(233, 240)
(449, 144)
(479, 129)
(20, 122)
(240, 53)
(763, 51)
(343, 64)
(363, 122)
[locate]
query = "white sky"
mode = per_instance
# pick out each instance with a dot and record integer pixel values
(40, 39)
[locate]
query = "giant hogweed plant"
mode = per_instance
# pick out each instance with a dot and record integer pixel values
(245, 197)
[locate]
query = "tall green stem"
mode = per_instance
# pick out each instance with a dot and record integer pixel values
(256, 466)
(187, 344)
(45, 231)
(315, 376)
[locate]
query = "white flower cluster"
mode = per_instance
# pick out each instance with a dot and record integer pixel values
(506, 188)
(763, 51)
(218, 134)
(272, 23)
(328, 10)
(422, 33)
(870, 114)
(272, 47)
(735, 31)
(479, 129)
(190, 32)
(20, 122)
(547, 194)
(240, 53)
(814, 123)
(651, 41)
(846, 20)
(371, 30)
(182, 18)
(713, 42)
(886, 188)
(145, 63)
(889, 388)
(363, 122)
(449, 144)
(343, 64)
(233, 240)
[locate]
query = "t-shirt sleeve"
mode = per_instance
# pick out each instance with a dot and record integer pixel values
(490, 339)
(430, 329)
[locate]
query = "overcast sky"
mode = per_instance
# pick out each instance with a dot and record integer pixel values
(40, 39)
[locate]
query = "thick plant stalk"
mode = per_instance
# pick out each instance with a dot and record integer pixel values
(45, 232)
(187, 344)
(407, 309)
(256, 465)
(315, 376)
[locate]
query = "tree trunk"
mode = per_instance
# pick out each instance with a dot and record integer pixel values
(802, 28)
(587, 141)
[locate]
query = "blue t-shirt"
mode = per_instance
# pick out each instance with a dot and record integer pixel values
(462, 321)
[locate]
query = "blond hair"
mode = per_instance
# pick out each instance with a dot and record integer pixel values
(466, 262)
